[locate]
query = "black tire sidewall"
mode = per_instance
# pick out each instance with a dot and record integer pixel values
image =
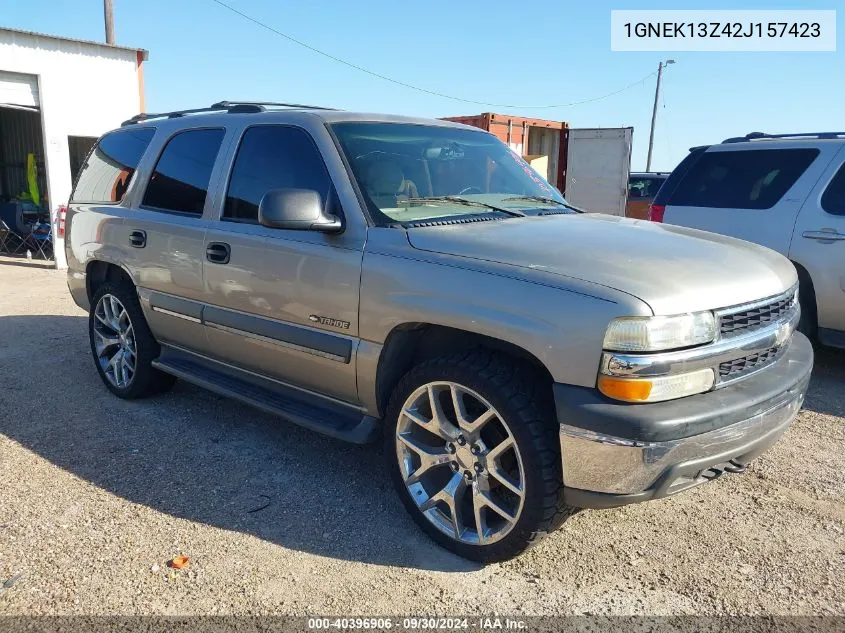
(524, 532)
(147, 349)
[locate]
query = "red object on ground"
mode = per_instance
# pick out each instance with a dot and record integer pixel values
(179, 562)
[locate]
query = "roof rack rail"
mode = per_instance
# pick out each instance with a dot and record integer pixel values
(230, 104)
(753, 136)
(233, 107)
(146, 116)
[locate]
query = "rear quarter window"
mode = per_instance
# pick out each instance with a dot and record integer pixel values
(833, 199)
(110, 166)
(746, 179)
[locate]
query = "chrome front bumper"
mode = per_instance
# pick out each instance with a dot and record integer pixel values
(663, 453)
(619, 466)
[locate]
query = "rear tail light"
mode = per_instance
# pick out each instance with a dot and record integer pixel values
(656, 211)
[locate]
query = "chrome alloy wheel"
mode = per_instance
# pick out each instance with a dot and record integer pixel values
(460, 463)
(114, 341)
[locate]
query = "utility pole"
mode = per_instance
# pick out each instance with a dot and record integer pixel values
(108, 14)
(654, 110)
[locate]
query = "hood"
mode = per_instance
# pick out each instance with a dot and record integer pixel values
(673, 269)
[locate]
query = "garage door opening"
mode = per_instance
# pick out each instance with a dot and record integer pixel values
(20, 136)
(24, 207)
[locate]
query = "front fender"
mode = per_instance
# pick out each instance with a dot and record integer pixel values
(563, 329)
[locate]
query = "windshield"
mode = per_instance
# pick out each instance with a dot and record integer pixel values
(409, 172)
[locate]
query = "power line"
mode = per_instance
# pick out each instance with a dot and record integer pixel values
(417, 88)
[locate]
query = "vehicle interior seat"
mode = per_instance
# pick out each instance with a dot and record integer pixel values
(387, 185)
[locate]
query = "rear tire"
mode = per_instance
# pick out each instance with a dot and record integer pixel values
(523, 413)
(122, 344)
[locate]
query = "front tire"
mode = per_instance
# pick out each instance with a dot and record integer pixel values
(473, 451)
(122, 344)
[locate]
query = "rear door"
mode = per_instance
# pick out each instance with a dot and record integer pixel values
(818, 243)
(598, 161)
(751, 191)
(163, 236)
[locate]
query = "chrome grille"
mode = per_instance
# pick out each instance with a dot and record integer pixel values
(739, 366)
(756, 316)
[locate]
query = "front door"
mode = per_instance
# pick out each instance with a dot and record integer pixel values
(818, 243)
(283, 303)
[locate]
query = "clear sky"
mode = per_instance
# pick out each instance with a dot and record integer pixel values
(542, 52)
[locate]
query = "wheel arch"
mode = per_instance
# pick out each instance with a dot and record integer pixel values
(98, 272)
(409, 344)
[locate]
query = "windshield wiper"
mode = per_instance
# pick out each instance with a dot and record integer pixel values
(547, 201)
(469, 203)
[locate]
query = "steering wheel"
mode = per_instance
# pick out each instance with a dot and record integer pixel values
(472, 189)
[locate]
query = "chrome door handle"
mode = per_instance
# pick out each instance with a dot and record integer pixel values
(218, 252)
(138, 239)
(823, 236)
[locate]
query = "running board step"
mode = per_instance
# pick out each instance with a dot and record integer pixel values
(312, 412)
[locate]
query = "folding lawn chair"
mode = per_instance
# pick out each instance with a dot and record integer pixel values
(40, 240)
(10, 241)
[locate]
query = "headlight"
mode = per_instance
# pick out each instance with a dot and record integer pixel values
(652, 334)
(657, 388)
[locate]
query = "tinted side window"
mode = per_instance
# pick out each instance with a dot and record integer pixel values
(667, 189)
(833, 199)
(753, 179)
(106, 174)
(180, 180)
(273, 157)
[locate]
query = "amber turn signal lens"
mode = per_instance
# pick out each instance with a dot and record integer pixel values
(625, 388)
(657, 388)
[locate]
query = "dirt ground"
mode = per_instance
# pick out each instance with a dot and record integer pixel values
(97, 494)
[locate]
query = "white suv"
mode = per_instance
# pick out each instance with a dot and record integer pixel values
(784, 191)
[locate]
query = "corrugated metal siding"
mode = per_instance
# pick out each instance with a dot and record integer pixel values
(517, 131)
(20, 134)
(478, 120)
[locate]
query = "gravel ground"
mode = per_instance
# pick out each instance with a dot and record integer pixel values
(97, 494)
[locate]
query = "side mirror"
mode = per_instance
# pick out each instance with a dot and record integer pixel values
(298, 210)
